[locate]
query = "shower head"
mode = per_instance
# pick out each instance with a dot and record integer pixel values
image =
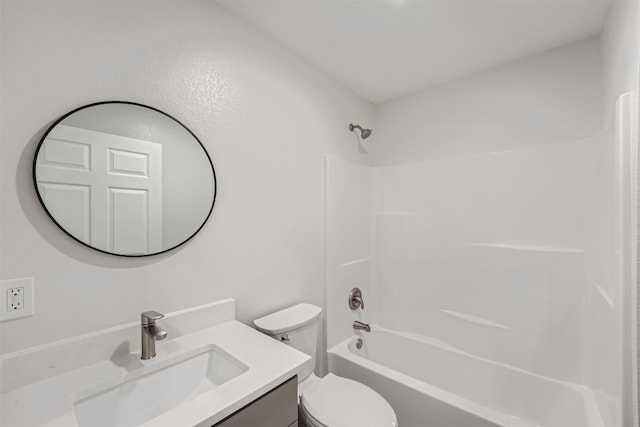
(364, 133)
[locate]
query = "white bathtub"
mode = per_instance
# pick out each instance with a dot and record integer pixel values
(431, 384)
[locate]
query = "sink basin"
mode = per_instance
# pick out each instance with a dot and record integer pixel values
(145, 397)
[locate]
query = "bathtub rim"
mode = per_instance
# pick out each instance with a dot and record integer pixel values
(592, 414)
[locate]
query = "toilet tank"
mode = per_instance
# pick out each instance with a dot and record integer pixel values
(296, 326)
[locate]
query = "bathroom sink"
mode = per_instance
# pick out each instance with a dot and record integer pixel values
(144, 397)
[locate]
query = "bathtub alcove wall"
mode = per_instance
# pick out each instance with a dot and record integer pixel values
(487, 226)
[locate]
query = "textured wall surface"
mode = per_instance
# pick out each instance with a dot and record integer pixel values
(266, 118)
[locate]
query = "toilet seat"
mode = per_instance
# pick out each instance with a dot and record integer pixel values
(335, 401)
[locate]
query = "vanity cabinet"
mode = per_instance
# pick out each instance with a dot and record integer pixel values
(277, 408)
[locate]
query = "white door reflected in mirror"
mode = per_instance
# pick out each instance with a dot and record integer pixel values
(124, 179)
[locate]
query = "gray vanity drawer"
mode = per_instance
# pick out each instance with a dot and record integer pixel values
(277, 408)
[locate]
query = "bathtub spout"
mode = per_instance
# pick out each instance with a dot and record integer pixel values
(359, 326)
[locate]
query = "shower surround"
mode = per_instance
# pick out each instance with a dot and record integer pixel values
(501, 256)
(507, 253)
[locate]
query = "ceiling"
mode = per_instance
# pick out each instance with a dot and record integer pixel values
(383, 49)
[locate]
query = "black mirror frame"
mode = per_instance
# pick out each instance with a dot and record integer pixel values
(35, 182)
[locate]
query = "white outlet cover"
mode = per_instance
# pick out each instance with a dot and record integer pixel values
(27, 283)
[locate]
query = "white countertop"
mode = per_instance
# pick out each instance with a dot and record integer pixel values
(50, 402)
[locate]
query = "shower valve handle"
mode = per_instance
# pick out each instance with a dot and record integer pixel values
(355, 299)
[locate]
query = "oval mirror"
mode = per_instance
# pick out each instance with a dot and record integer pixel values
(124, 178)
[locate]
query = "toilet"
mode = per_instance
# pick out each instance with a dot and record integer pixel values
(331, 401)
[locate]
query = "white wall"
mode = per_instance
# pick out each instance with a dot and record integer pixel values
(542, 99)
(265, 117)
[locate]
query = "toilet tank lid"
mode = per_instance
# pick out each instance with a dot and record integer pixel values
(288, 319)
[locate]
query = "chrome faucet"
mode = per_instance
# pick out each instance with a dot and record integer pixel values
(150, 333)
(359, 326)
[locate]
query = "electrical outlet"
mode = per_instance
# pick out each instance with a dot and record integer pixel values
(16, 298)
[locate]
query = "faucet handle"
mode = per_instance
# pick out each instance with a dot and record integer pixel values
(355, 299)
(149, 317)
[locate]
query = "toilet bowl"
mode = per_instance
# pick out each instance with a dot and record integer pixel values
(331, 401)
(335, 401)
